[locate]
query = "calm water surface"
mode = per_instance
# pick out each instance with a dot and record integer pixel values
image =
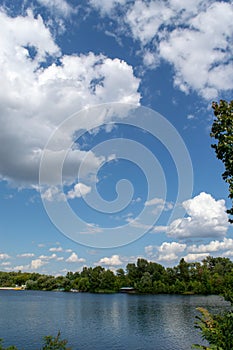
(99, 322)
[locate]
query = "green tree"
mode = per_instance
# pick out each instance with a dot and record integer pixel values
(132, 274)
(8, 348)
(222, 131)
(183, 270)
(216, 329)
(121, 279)
(55, 343)
(142, 266)
(31, 285)
(107, 281)
(50, 343)
(145, 284)
(157, 271)
(95, 278)
(179, 287)
(195, 287)
(159, 287)
(84, 284)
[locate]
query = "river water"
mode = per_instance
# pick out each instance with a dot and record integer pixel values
(102, 321)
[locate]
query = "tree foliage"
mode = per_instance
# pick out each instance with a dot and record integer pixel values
(216, 329)
(50, 343)
(211, 276)
(8, 348)
(55, 343)
(222, 131)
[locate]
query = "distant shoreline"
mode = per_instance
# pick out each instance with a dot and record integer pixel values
(12, 288)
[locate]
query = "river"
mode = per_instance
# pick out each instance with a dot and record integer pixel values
(102, 321)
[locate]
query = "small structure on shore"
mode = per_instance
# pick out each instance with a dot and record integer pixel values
(13, 288)
(127, 290)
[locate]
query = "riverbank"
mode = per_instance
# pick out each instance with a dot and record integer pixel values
(211, 276)
(13, 288)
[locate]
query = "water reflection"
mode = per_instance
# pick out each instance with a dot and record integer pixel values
(98, 322)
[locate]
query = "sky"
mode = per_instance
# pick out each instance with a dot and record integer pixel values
(105, 111)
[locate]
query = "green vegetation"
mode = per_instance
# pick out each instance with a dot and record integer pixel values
(55, 343)
(50, 343)
(218, 329)
(211, 276)
(8, 348)
(222, 131)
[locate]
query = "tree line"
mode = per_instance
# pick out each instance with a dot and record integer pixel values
(214, 275)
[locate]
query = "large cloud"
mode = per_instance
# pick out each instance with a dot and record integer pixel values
(168, 251)
(195, 257)
(145, 19)
(206, 218)
(213, 246)
(201, 54)
(173, 251)
(73, 258)
(35, 98)
(193, 36)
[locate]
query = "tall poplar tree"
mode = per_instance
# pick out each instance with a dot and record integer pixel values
(222, 131)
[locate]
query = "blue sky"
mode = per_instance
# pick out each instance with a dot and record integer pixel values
(82, 83)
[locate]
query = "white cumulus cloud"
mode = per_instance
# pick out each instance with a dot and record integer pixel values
(37, 263)
(191, 257)
(213, 246)
(114, 260)
(53, 193)
(187, 34)
(145, 18)
(36, 98)
(206, 218)
(174, 251)
(201, 53)
(4, 256)
(73, 258)
(80, 190)
(170, 251)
